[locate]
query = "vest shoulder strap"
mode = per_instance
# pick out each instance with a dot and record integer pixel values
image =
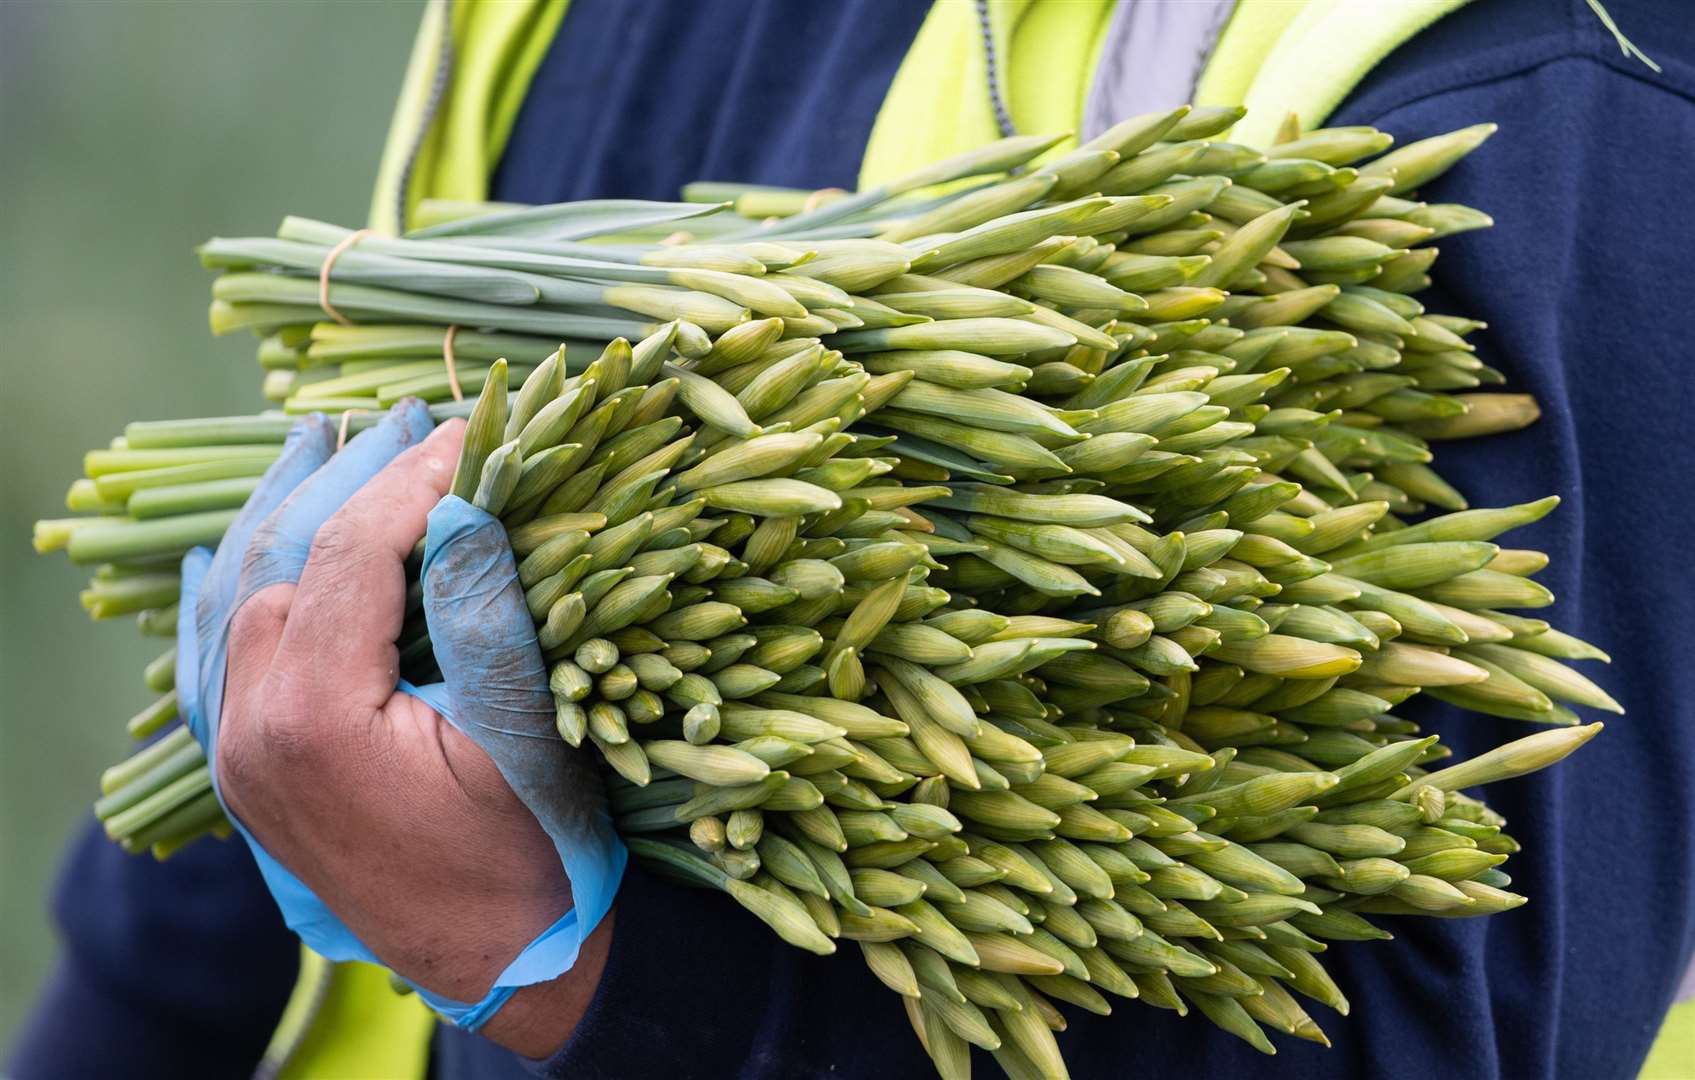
(471, 66)
(1274, 56)
(473, 60)
(939, 103)
(1279, 58)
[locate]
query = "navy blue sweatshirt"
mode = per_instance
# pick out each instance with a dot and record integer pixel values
(181, 969)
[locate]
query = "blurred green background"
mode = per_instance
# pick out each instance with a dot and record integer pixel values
(129, 133)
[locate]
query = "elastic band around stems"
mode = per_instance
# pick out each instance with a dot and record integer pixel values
(816, 199)
(324, 274)
(341, 432)
(447, 358)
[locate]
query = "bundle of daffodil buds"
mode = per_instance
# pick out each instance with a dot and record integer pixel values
(1012, 570)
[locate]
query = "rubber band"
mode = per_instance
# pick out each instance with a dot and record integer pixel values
(816, 199)
(341, 432)
(452, 368)
(324, 274)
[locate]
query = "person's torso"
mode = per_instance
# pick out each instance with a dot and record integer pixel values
(634, 98)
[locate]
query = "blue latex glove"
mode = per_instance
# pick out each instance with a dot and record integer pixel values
(494, 686)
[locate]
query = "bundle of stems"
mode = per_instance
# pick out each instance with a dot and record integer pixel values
(1016, 581)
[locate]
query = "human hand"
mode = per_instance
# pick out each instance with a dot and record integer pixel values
(437, 829)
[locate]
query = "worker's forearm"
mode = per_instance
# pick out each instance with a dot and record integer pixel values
(687, 986)
(538, 1020)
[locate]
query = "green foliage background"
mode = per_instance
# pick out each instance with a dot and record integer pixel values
(128, 133)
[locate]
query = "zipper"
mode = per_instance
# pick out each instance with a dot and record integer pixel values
(991, 65)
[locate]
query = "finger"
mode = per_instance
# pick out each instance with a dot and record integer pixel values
(496, 684)
(211, 582)
(309, 444)
(277, 552)
(194, 568)
(281, 543)
(480, 629)
(338, 643)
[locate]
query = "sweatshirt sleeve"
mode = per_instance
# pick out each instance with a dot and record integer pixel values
(693, 987)
(685, 990)
(167, 970)
(1582, 281)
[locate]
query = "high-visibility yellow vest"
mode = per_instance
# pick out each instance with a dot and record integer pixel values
(470, 68)
(473, 61)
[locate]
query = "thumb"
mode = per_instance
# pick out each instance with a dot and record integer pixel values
(496, 682)
(480, 629)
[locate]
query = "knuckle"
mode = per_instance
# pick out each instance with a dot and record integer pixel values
(339, 542)
(286, 730)
(253, 623)
(241, 770)
(260, 745)
(243, 628)
(340, 560)
(290, 743)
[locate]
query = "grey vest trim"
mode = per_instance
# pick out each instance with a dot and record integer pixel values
(1151, 58)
